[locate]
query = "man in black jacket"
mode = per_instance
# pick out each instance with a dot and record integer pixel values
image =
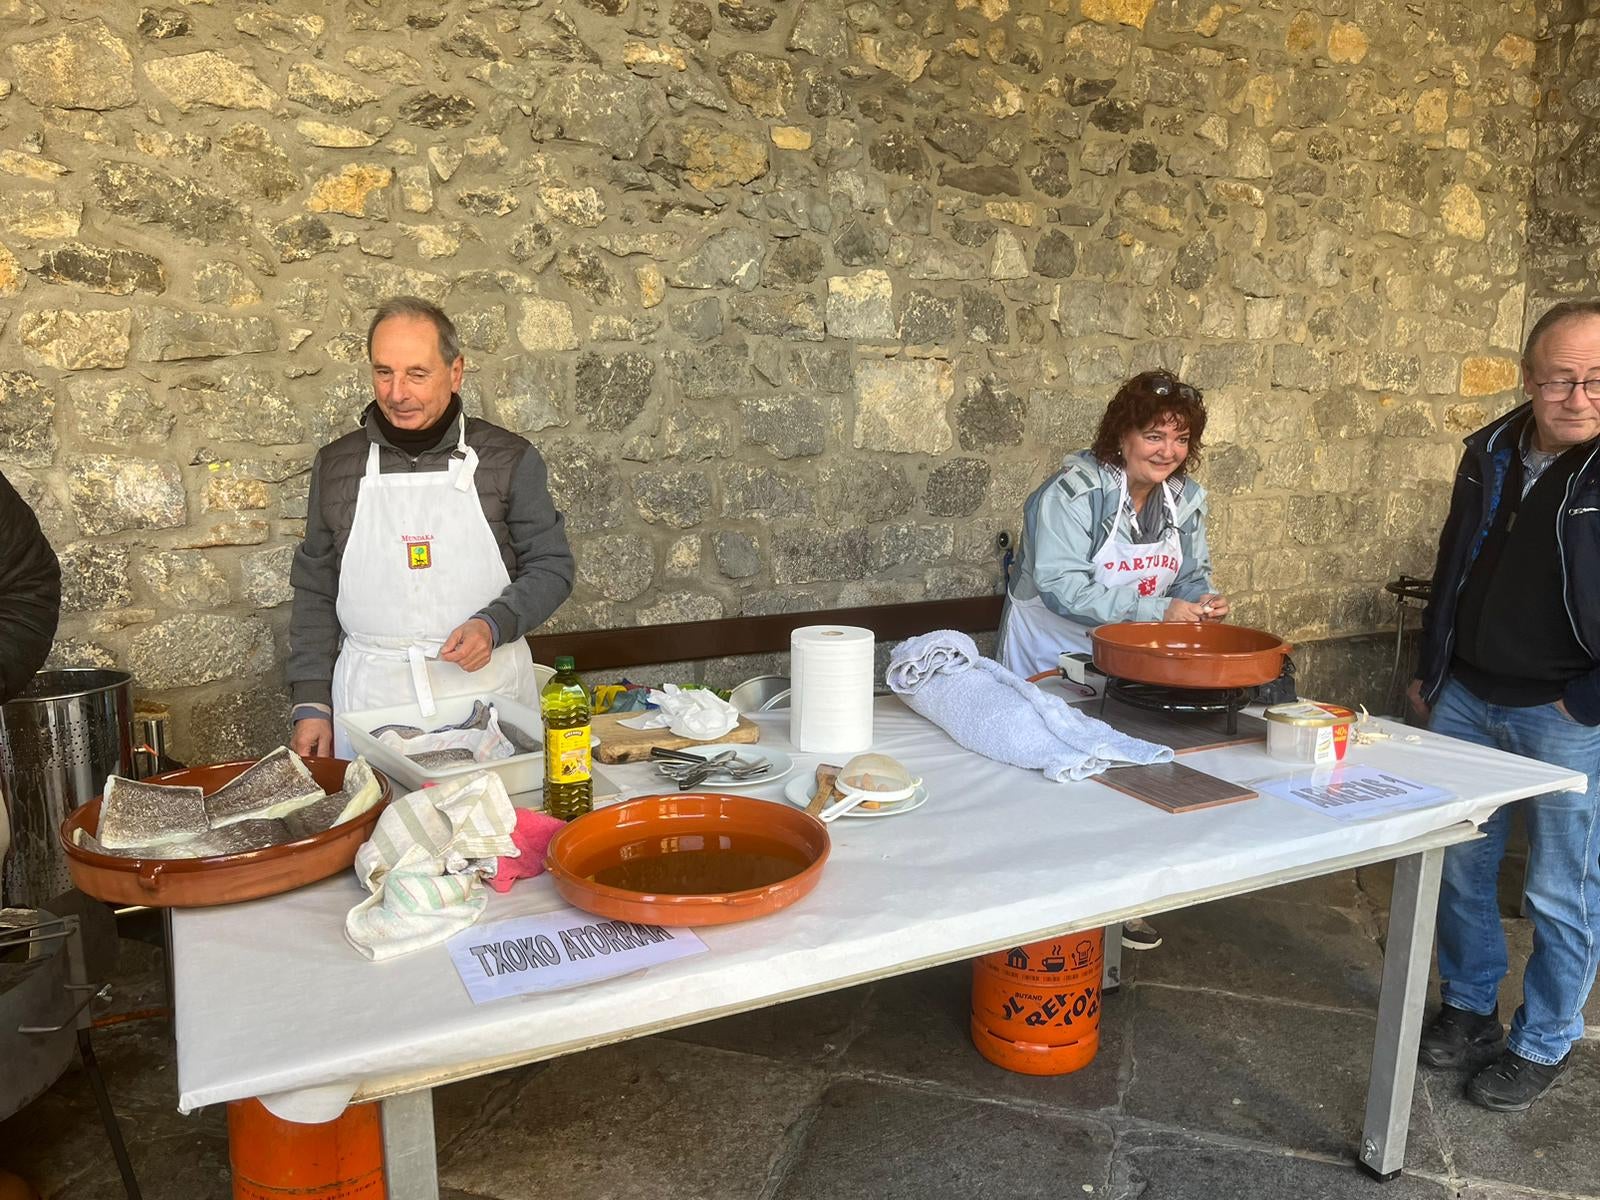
(1511, 659)
(30, 593)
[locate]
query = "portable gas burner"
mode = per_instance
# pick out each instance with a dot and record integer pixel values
(1177, 701)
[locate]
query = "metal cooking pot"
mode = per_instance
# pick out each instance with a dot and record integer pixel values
(1188, 654)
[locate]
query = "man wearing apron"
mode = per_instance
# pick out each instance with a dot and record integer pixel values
(432, 546)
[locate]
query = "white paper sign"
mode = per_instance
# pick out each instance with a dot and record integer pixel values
(558, 950)
(1351, 793)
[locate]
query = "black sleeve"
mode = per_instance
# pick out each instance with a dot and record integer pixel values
(1466, 504)
(30, 593)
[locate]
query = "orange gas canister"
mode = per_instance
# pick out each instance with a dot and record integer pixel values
(1036, 1008)
(274, 1159)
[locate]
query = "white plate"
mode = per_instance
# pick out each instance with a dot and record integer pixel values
(799, 791)
(782, 764)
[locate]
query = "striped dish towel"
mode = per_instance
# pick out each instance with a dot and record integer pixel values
(421, 865)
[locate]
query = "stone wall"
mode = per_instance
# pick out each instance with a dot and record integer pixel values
(800, 299)
(1564, 226)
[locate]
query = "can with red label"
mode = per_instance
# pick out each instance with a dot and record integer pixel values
(1308, 732)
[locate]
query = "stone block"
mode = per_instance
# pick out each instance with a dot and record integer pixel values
(185, 579)
(27, 410)
(861, 306)
(676, 607)
(730, 258)
(793, 315)
(901, 406)
(863, 491)
(817, 554)
(186, 650)
(546, 325)
(714, 373)
(738, 554)
(86, 67)
(618, 566)
(208, 79)
(260, 163)
(765, 494)
(680, 498)
(694, 436)
(168, 335)
(325, 90)
(612, 389)
(585, 485)
(990, 415)
(957, 488)
(984, 316)
(76, 339)
(101, 269)
(1487, 375)
(611, 111)
(788, 426)
(435, 110)
(533, 394)
(264, 576)
(94, 576)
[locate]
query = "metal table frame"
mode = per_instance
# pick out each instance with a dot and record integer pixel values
(407, 1101)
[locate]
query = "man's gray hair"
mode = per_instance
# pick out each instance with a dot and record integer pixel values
(416, 306)
(1565, 311)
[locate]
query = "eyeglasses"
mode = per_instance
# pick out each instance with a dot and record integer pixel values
(1557, 391)
(1165, 387)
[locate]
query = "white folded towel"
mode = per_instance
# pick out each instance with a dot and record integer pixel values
(425, 862)
(996, 714)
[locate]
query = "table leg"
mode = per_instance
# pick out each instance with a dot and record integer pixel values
(1111, 969)
(1400, 1003)
(410, 1165)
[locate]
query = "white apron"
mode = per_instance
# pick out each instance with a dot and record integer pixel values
(420, 560)
(1035, 637)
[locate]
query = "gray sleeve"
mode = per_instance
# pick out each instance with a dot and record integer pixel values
(314, 622)
(542, 578)
(1194, 577)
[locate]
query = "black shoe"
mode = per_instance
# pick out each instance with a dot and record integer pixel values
(1512, 1083)
(1139, 934)
(1458, 1038)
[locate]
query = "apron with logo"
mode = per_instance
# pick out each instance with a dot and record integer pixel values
(420, 560)
(1035, 637)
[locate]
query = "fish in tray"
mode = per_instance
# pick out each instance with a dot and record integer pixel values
(273, 787)
(231, 839)
(135, 814)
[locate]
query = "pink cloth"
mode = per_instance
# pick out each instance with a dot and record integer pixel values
(531, 836)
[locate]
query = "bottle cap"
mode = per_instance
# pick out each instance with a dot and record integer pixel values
(564, 662)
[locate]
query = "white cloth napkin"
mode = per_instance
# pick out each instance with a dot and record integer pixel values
(421, 865)
(689, 712)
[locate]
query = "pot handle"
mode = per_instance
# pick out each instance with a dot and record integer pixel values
(150, 874)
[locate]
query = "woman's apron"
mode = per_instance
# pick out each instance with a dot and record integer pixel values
(420, 560)
(1035, 637)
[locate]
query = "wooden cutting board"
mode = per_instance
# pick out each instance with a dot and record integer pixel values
(619, 744)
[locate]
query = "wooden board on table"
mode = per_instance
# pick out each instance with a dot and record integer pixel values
(1174, 787)
(619, 744)
(1186, 733)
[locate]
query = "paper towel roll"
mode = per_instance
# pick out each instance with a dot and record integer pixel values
(830, 673)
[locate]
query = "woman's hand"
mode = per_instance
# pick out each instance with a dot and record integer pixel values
(1184, 610)
(1213, 606)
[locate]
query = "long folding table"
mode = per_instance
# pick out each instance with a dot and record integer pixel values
(272, 1002)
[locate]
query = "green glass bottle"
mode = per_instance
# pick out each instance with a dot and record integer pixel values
(564, 705)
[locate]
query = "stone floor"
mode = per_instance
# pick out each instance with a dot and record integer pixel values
(1233, 1063)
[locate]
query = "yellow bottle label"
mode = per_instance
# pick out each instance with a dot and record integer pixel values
(567, 755)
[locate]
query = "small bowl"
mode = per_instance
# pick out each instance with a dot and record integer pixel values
(624, 832)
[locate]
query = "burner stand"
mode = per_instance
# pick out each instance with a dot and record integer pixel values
(1154, 697)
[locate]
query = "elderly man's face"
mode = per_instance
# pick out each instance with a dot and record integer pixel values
(410, 378)
(1567, 353)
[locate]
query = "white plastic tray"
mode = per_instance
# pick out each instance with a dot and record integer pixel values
(520, 772)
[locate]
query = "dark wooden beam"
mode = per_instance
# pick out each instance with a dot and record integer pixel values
(607, 649)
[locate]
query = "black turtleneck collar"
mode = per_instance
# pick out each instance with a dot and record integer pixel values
(416, 441)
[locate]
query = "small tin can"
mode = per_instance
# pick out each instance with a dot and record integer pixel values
(1308, 732)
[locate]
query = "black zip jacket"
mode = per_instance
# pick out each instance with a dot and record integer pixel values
(30, 593)
(1480, 481)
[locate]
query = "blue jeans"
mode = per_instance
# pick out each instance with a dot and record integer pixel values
(1563, 880)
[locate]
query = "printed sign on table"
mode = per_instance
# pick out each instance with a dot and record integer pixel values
(1352, 793)
(558, 950)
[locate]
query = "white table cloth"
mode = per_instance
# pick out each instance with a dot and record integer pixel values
(272, 1002)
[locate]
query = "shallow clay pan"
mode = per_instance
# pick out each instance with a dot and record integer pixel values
(688, 859)
(1190, 654)
(224, 878)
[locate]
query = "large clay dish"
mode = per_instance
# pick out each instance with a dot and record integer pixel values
(224, 878)
(1189, 654)
(595, 841)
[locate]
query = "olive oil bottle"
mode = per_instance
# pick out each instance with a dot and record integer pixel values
(564, 705)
